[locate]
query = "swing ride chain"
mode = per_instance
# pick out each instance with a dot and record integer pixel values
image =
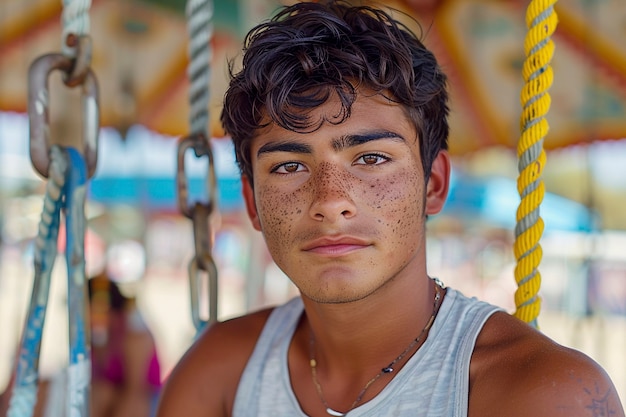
(541, 20)
(199, 14)
(200, 214)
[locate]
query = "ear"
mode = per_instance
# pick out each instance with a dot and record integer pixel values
(248, 196)
(437, 187)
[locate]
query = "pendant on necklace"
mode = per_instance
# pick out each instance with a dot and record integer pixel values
(332, 412)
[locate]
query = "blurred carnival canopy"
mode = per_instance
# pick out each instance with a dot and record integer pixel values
(140, 60)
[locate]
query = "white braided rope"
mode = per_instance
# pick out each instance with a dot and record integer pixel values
(24, 395)
(75, 19)
(200, 29)
(45, 247)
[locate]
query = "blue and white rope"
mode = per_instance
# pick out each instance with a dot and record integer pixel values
(79, 372)
(24, 393)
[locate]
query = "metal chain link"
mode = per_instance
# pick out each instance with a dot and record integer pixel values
(199, 213)
(39, 109)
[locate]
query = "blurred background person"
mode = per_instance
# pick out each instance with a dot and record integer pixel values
(126, 375)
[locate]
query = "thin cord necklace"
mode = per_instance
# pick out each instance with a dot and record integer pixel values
(386, 370)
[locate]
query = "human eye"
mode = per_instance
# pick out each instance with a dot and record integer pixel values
(372, 159)
(287, 168)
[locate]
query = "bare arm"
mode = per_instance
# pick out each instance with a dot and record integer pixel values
(577, 387)
(204, 382)
(519, 372)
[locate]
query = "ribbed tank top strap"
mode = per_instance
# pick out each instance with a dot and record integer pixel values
(452, 349)
(277, 332)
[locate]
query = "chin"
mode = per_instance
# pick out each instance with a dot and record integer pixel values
(336, 296)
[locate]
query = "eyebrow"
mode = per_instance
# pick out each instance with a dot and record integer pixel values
(294, 147)
(338, 144)
(347, 141)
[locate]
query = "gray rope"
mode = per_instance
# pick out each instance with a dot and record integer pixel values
(200, 29)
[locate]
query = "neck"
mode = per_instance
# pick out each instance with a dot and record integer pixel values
(369, 367)
(355, 337)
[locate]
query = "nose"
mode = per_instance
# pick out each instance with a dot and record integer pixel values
(332, 194)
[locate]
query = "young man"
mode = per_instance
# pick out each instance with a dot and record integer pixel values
(339, 119)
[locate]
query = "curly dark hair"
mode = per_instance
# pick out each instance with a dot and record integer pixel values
(309, 51)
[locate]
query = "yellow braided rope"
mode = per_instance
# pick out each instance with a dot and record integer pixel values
(541, 21)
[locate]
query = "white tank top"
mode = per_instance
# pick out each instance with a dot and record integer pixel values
(434, 382)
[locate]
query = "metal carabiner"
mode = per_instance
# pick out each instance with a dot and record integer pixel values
(38, 111)
(201, 147)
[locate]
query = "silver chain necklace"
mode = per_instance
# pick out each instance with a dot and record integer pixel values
(386, 370)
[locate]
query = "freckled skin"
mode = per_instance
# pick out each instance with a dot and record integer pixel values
(381, 204)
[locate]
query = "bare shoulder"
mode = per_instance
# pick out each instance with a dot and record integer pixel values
(518, 371)
(204, 381)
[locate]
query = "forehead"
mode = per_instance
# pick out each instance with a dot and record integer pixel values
(369, 112)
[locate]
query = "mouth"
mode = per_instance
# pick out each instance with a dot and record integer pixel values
(333, 247)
